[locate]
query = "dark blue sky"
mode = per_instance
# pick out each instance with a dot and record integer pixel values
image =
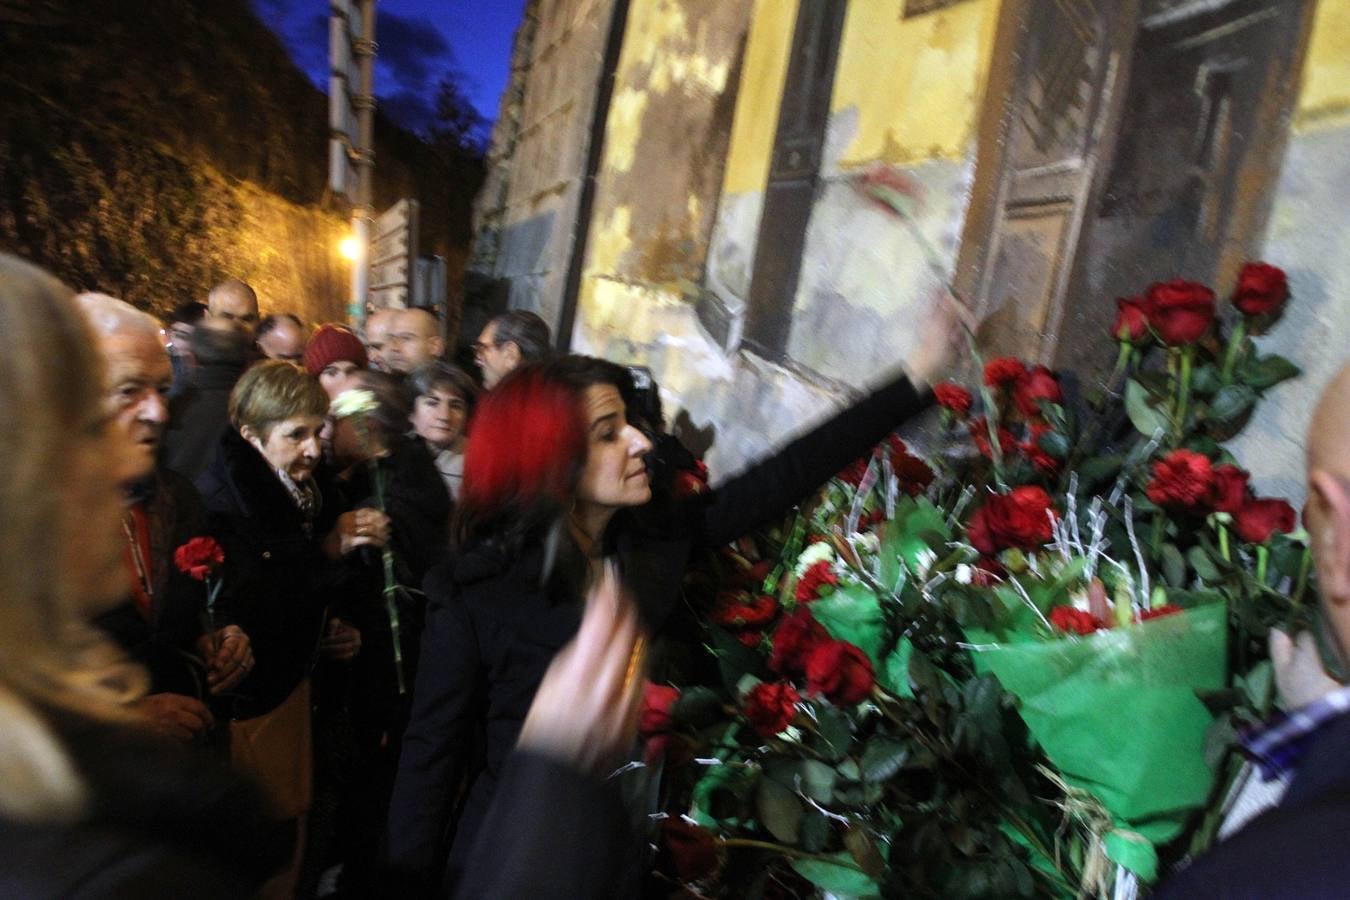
(420, 41)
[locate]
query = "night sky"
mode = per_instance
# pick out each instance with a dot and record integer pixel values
(419, 42)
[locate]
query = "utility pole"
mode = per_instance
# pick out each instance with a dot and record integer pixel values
(351, 122)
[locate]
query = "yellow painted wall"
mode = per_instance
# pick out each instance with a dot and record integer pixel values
(916, 83)
(1325, 94)
(761, 90)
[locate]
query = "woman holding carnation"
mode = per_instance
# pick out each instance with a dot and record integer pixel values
(90, 805)
(275, 513)
(443, 398)
(555, 481)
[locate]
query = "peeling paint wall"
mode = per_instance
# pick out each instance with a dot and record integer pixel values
(1308, 236)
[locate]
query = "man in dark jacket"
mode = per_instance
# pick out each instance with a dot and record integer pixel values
(1297, 849)
(164, 623)
(199, 415)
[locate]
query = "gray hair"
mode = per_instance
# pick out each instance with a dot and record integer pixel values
(527, 331)
(108, 316)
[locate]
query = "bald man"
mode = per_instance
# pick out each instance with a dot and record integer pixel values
(234, 302)
(1297, 849)
(414, 339)
(378, 325)
(281, 336)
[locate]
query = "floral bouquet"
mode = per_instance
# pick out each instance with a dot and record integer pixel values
(1014, 668)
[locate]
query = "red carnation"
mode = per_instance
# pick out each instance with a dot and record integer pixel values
(1261, 289)
(657, 702)
(1019, 519)
(1132, 317)
(839, 671)
(739, 609)
(1182, 478)
(1258, 519)
(750, 639)
(855, 471)
(813, 579)
(689, 482)
(979, 433)
(914, 474)
(1075, 621)
(1004, 371)
(1180, 311)
(199, 557)
(1230, 488)
(1157, 612)
(1031, 449)
(954, 397)
(1037, 385)
(770, 707)
(793, 639)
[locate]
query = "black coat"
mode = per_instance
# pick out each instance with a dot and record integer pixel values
(277, 581)
(1297, 849)
(166, 642)
(493, 625)
(199, 415)
(161, 822)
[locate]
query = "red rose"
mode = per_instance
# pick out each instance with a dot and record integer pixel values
(1004, 371)
(839, 671)
(794, 638)
(1075, 621)
(657, 702)
(689, 482)
(1182, 478)
(1132, 317)
(770, 707)
(1157, 612)
(738, 609)
(1180, 311)
(1230, 488)
(1258, 519)
(813, 579)
(686, 851)
(1037, 385)
(855, 471)
(1019, 519)
(199, 557)
(953, 397)
(979, 433)
(750, 639)
(1031, 449)
(1261, 289)
(913, 473)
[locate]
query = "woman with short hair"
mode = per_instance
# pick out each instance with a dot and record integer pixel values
(443, 402)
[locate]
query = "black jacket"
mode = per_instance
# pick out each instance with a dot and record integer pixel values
(1297, 849)
(166, 642)
(162, 822)
(493, 625)
(199, 414)
(277, 581)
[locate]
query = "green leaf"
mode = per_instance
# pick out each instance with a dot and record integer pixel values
(836, 731)
(1230, 409)
(841, 878)
(853, 613)
(1054, 443)
(1205, 381)
(779, 809)
(697, 707)
(1098, 469)
(1263, 373)
(919, 527)
(1144, 416)
(863, 848)
(1173, 566)
(1157, 383)
(883, 757)
(817, 780)
(734, 659)
(816, 832)
(894, 671)
(1202, 564)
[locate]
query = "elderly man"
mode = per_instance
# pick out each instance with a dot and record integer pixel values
(509, 341)
(414, 339)
(234, 302)
(378, 325)
(282, 336)
(161, 623)
(1297, 849)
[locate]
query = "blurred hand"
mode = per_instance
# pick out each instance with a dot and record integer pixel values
(941, 338)
(358, 528)
(1300, 676)
(229, 657)
(342, 642)
(173, 715)
(585, 712)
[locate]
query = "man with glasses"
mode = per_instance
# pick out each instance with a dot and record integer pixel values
(509, 341)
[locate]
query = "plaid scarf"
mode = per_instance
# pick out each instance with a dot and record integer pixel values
(306, 496)
(1279, 745)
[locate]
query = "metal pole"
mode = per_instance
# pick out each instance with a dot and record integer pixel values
(364, 157)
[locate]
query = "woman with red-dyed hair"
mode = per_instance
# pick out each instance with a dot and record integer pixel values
(555, 481)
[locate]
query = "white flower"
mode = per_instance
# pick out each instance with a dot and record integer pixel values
(964, 574)
(353, 402)
(817, 552)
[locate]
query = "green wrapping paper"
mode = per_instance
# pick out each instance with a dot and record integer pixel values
(1116, 712)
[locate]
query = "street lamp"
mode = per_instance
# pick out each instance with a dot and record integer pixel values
(350, 248)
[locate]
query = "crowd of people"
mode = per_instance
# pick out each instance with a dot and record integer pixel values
(253, 643)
